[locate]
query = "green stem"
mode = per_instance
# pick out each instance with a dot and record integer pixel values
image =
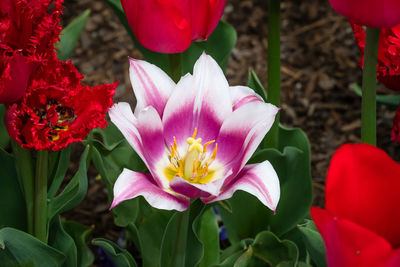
(26, 177)
(274, 68)
(368, 105)
(180, 248)
(40, 225)
(175, 64)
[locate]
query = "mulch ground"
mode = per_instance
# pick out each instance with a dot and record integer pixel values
(319, 64)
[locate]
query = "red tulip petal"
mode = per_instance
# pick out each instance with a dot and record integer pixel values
(348, 244)
(205, 17)
(371, 13)
(363, 186)
(161, 26)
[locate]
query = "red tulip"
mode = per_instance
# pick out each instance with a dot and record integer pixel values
(28, 30)
(396, 126)
(360, 225)
(371, 13)
(170, 26)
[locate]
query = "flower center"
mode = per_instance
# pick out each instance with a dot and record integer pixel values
(56, 117)
(193, 166)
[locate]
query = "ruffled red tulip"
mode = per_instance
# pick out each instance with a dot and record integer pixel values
(170, 26)
(360, 225)
(28, 31)
(57, 109)
(371, 13)
(388, 69)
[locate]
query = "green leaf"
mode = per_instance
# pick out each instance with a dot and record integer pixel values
(265, 250)
(270, 249)
(109, 137)
(393, 100)
(60, 169)
(208, 234)
(218, 45)
(62, 241)
(73, 193)
(314, 243)
(4, 137)
(293, 169)
(80, 234)
(121, 257)
(12, 203)
(70, 35)
(254, 83)
(18, 248)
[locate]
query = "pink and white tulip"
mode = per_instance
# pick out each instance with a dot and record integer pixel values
(195, 138)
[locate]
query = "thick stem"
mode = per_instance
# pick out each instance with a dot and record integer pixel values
(26, 175)
(368, 105)
(175, 64)
(183, 226)
(40, 223)
(274, 68)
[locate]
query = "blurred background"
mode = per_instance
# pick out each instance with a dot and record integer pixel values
(319, 65)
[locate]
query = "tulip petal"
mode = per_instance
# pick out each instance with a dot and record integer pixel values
(349, 244)
(242, 95)
(259, 180)
(144, 134)
(193, 190)
(131, 184)
(205, 17)
(200, 101)
(363, 179)
(152, 86)
(371, 13)
(242, 132)
(161, 26)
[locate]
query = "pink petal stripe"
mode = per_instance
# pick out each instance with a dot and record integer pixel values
(242, 95)
(144, 134)
(131, 184)
(121, 115)
(259, 180)
(192, 190)
(152, 86)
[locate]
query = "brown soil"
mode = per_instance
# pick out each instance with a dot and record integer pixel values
(319, 64)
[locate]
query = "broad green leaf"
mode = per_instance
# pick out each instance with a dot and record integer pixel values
(18, 248)
(208, 234)
(4, 137)
(109, 137)
(80, 234)
(73, 193)
(218, 45)
(292, 167)
(314, 243)
(70, 35)
(265, 250)
(62, 241)
(393, 100)
(61, 163)
(12, 203)
(121, 257)
(254, 83)
(270, 249)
